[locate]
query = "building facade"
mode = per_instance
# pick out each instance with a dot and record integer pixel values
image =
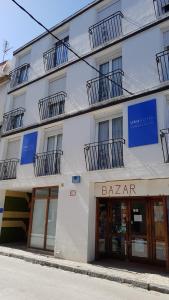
(84, 153)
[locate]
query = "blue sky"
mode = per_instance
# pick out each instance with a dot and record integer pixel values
(18, 28)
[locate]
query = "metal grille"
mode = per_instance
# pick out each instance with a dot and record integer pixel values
(8, 169)
(104, 155)
(55, 57)
(162, 59)
(164, 135)
(48, 163)
(161, 7)
(13, 119)
(52, 106)
(19, 75)
(102, 88)
(106, 30)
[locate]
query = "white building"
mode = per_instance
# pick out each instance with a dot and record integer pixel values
(84, 156)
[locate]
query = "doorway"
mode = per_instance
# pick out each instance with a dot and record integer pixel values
(43, 218)
(134, 229)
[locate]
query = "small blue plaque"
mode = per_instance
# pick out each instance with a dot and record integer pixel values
(76, 179)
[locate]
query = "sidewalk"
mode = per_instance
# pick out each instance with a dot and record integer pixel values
(144, 277)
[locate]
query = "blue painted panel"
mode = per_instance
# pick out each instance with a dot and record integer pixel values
(29, 148)
(1, 210)
(142, 124)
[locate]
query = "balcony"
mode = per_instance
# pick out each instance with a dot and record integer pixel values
(162, 59)
(104, 155)
(8, 169)
(104, 88)
(55, 57)
(106, 30)
(13, 119)
(164, 135)
(52, 106)
(19, 75)
(48, 163)
(161, 7)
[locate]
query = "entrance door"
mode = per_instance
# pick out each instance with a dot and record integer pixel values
(44, 214)
(138, 229)
(112, 228)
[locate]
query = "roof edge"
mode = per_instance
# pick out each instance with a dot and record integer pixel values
(71, 17)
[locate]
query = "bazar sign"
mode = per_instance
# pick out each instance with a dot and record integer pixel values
(156, 187)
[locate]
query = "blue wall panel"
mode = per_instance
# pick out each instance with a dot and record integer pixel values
(142, 124)
(29, 148)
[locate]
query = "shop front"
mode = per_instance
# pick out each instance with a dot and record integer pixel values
(131, 222)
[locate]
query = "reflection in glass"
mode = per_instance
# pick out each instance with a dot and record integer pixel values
(139, 248)
(51, 227)
(38, 225)
(103, 215)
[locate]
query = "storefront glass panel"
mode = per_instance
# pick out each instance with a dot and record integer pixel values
(44, 216)
(38, 225)
(51, 226)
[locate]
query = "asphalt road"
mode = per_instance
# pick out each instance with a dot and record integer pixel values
(20, 280)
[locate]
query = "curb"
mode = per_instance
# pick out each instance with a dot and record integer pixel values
(135, 283)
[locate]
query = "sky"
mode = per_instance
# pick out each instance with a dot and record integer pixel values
(17, 28)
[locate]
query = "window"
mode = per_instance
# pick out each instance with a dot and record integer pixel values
(22, 73)
(166, 40)
(56, 107)
(110, 146)
(17, 118)
(61, 52)
(13, 149)
(108, 89)
(53, 147)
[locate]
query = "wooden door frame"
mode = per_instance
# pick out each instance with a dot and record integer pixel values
(46, 215)
(149, 216)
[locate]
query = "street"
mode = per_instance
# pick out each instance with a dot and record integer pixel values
(20, 280)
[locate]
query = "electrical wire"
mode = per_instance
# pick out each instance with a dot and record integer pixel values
(69, 47)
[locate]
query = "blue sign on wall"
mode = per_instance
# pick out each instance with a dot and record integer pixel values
(1, 210)
(29, 148)
(142, 124)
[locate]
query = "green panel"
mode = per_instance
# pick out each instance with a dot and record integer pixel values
(16, 204)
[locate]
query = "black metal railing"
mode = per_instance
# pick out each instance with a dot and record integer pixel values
(106, 30)
(13, 119)
(52, 106)
(55, 57)
(48, 163)
(161, 7)
(104, 88)
(164, 135)
(19, 75)
(162, 59)
(104, 155)
(8, 169)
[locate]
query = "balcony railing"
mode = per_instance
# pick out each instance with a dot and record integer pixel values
(162, 59)
(19, 75)
(104, 155)
(48, 163)
(106, 30)
(164, 135)
(52, 106)
(161, 7)
(13, 119)
(104, 88)
(55, 57)
(8, 169)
